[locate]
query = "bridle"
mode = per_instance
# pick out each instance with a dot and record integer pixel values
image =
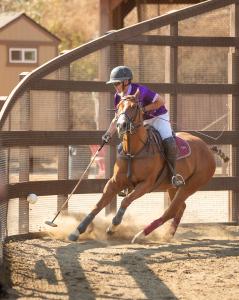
(130, 124)
(130, 128)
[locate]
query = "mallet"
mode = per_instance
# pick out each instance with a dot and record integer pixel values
(51, 223)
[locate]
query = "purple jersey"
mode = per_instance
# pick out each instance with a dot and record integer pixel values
(146, 96)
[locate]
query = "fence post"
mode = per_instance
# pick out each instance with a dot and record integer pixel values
(171, 69)
(116, 59)
(234, 103)
(24, 159)
(109, 57)
(4, 180)
(63, 110)
(4, 177)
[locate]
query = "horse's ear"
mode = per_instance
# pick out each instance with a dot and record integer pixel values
(118, 105)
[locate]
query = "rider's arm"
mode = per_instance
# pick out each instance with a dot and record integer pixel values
(156, 103)
(112, 128)
(110, 131)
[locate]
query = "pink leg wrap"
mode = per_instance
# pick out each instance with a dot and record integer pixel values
(155, 224)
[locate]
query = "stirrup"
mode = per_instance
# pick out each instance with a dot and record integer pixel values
(177, 180)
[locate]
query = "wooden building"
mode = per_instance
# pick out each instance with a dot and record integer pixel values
(24, 45)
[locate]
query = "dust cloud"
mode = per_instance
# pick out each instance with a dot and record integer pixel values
(129, 227)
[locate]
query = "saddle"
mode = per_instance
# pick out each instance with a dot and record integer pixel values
(154, 145)
(184, 149)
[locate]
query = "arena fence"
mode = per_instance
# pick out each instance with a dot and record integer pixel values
(52, 122)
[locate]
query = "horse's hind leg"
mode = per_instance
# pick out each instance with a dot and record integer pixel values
(177, 219)
(110, 190)
(193, 184)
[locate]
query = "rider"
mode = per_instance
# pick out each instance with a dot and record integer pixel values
(155, 113)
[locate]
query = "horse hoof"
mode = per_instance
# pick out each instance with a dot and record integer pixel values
(139, 235)
(111, 229)
(74, 236)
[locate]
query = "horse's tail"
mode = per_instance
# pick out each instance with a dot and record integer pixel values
(220, 153)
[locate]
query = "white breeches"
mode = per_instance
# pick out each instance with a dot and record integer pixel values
(162, 124)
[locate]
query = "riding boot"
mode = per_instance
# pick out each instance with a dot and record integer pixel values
(170, 149)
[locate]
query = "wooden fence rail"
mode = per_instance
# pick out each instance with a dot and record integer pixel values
(88, 186)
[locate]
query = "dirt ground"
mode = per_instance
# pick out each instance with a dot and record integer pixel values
(199, 263)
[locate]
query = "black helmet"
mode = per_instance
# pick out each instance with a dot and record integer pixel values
(119, 74)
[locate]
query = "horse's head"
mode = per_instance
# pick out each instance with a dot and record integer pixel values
(129, 116)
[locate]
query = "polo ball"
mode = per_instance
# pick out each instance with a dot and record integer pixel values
(32, 198)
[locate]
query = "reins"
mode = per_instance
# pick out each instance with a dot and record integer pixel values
(131, 128)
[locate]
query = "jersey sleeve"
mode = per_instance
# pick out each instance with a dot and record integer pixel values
(146, 95)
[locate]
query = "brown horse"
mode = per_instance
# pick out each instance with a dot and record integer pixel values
(142, 174)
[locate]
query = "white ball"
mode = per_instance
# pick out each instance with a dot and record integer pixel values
(32, 198)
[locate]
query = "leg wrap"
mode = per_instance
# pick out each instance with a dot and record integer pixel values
(118, 217)
(84, 224)
(151, 227)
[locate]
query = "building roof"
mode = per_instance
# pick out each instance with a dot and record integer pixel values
(6, 18)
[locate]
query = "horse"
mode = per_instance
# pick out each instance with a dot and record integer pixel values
(143, 173)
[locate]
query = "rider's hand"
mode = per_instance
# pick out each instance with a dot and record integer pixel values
(143, 109)
(128, 97)
(106, 137)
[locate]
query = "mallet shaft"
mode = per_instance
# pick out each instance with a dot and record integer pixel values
(83, 174)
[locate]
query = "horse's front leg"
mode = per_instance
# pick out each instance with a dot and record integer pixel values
(140, 190)
(110, 191)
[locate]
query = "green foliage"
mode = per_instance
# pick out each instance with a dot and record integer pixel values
(85, 69)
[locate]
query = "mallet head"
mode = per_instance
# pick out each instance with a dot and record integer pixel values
(50, 224)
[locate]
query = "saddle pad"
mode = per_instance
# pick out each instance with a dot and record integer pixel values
(184, 149)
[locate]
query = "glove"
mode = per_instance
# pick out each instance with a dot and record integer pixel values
(143, 109)
(129, 97)
(106, 137)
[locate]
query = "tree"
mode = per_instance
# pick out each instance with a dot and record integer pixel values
(73, 21)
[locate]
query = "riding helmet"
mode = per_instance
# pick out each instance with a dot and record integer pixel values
(119, 74)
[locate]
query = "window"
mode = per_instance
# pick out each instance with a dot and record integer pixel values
(23, 55)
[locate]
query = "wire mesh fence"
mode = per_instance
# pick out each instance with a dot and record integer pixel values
(69, 95)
